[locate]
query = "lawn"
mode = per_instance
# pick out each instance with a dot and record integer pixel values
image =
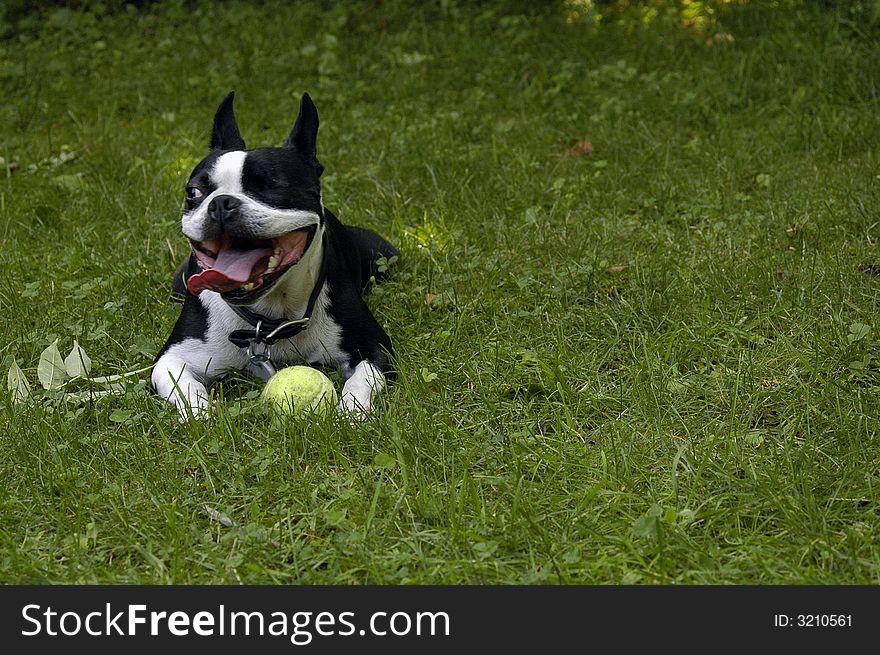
(634, 314)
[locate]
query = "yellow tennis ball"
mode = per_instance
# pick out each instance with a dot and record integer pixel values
(300, 390)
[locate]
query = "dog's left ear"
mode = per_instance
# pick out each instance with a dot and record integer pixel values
(304, 135)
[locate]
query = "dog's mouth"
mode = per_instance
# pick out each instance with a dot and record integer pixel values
(241, 268)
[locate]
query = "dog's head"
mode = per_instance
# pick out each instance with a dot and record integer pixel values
(251, 215)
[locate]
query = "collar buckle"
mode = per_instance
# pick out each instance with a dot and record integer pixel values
(260, 358)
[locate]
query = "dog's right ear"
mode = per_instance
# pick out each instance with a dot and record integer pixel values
(225, 135)
(304, 135)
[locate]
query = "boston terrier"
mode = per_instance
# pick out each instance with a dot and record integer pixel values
(274, 277)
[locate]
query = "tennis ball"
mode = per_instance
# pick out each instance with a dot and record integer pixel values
(300, 390)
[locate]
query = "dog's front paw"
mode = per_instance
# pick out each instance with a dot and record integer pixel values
(194, 408)
(197, 413)
(352, 410)
(359, 392)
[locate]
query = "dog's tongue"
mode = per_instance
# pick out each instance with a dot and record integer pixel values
(231, 269)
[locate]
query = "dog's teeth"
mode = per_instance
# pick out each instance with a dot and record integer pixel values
(273, 262)
(248, 287)
(277, 251)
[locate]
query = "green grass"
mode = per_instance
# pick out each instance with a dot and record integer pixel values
(656, 363)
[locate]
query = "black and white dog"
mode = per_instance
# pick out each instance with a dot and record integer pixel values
(273, 278)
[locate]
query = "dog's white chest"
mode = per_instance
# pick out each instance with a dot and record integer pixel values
(319, 343)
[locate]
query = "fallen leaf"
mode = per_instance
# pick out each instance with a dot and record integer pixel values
(50, 369)
(579, 148)
(77, 363)
(429, 298)
(221, 518)
(17, 383)
(617, 268)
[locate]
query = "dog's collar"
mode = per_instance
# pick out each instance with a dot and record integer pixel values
(267, 331)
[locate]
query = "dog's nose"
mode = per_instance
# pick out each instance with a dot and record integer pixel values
(221, 207)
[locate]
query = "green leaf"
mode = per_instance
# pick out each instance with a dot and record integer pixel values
(427, 375)
(17, 383)
(861, 364)
(755, 437)
(647, 525)
(334, 516)
(857, 332)
(486, 549)
(571, 556)
(384, 461)
(120, 415)
(686, 516)
(69, 182)
(50, 370)
(142, 345)
(77, 363)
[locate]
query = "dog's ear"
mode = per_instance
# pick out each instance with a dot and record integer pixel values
(225, 135)
(304, 135)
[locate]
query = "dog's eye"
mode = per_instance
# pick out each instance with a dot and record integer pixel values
(193, 193)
